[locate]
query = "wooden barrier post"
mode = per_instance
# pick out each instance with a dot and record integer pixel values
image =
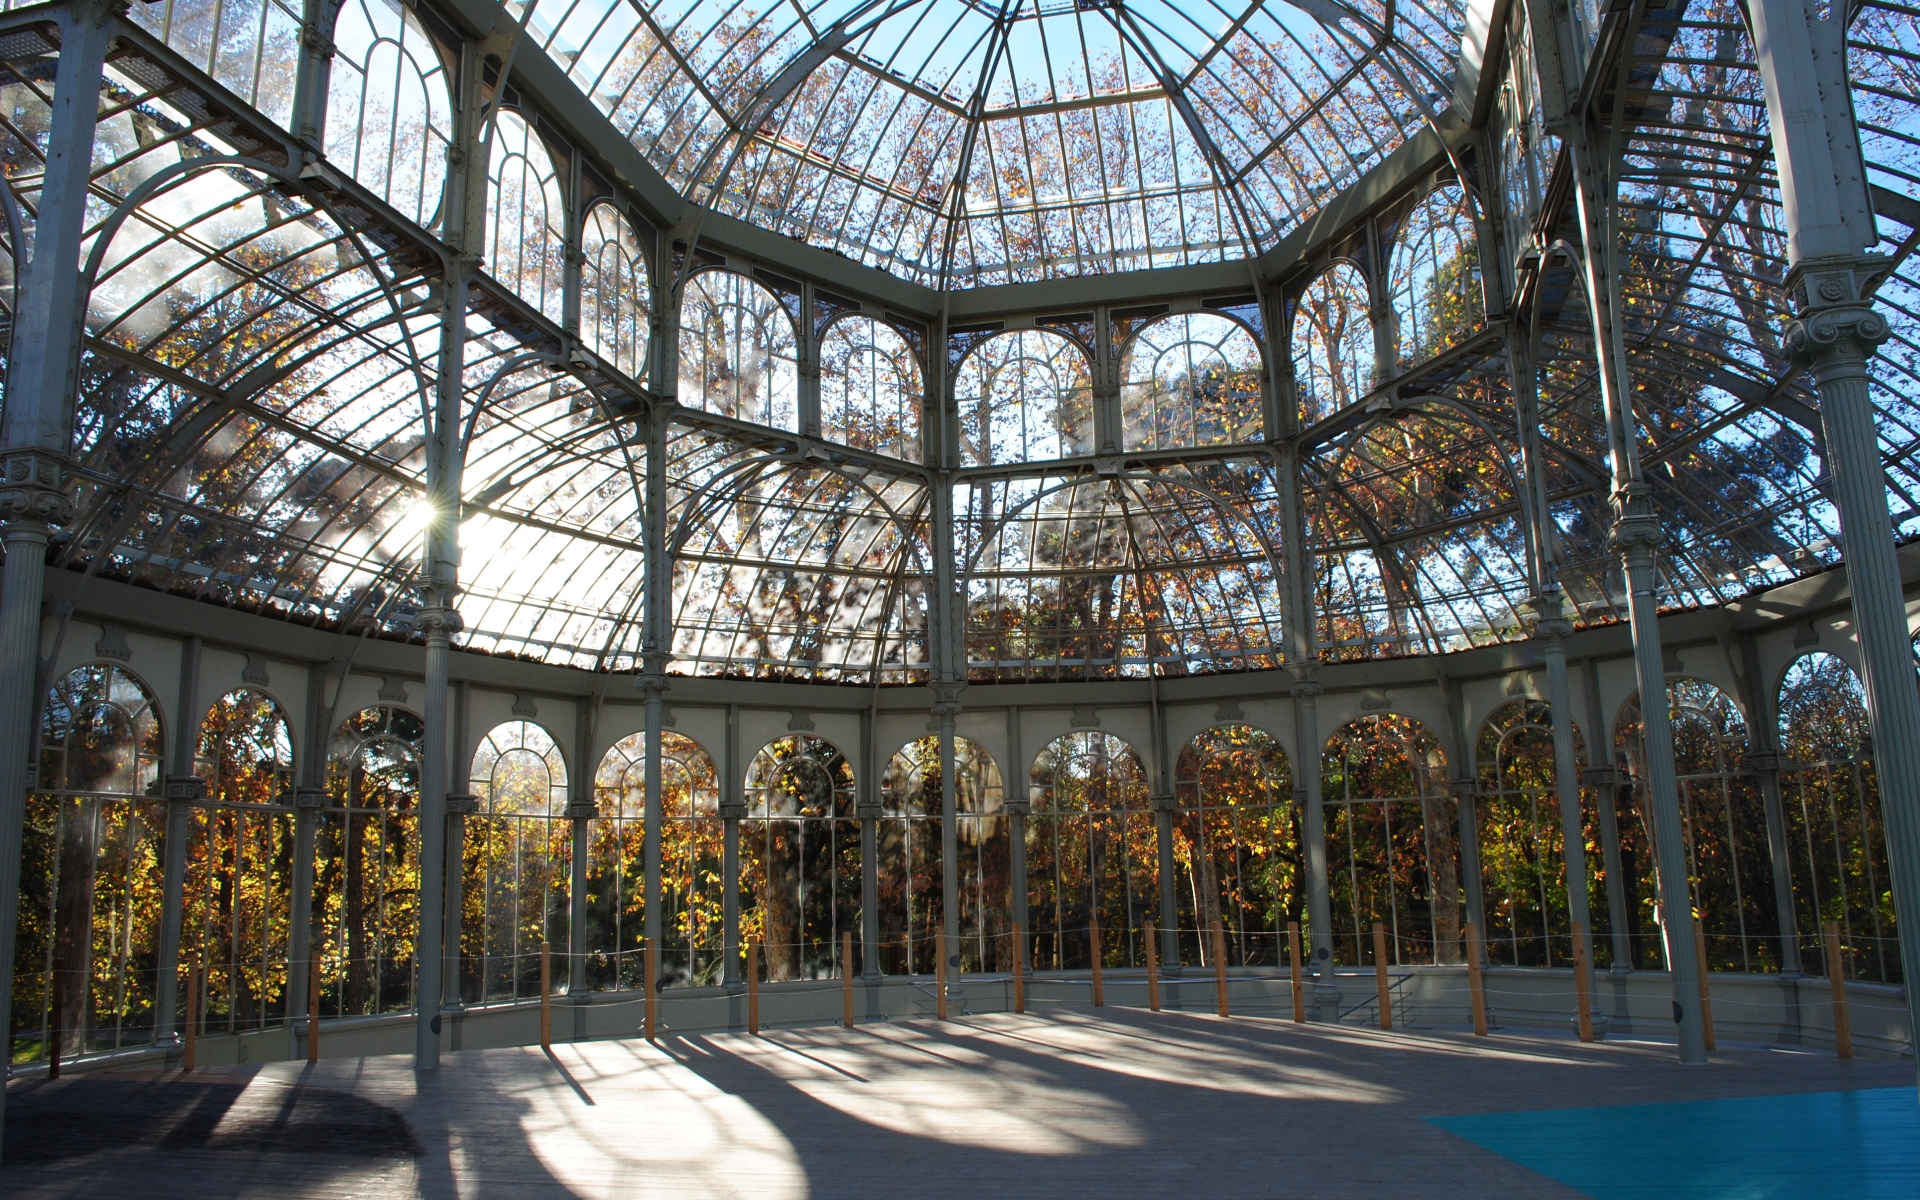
(940, 974)
(1019, 968)
(1706, 1000)
(1837, 980)
(193, 1015)
(652, 960)
(1293, 965)
(846, 981)
(1153, 970)
(1098, 952)
(313, 1005)
(753, 988)
(1582, 983)
(1380, 981)
(1476, 987)
(1220, 967)
(546, 997)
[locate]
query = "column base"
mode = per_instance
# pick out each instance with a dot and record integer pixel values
(1326, 1003)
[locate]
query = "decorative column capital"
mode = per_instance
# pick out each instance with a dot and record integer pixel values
(946, 699)
(184, 789)
(37, 486)
(1164, 802)
(1761, 764)
(583, 810)
(1463, 787)
(736, 811)
(1546, 616)
(1635, 528)
(652, 681)
(309, 797)
(437, 619)
(1833, 307)
(462, 804)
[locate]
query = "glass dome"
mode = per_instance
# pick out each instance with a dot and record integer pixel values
(958, 144)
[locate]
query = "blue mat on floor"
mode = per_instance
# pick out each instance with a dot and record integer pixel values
(1861, 1145)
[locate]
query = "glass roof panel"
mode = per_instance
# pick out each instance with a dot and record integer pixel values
(959, 144)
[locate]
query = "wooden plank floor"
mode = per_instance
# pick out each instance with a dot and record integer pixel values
(1120, 1103)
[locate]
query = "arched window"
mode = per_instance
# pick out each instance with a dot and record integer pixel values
(1723, 820)
(737, 351)
(1522, 849)
(911, 906)
(1090, 843)
(1191, 380)
(526, 216)
(691, 843)
(613, 291)
(90, 872)
(1024, 397)
(1236, 838)
(1835, 833)
(251, 47)
(366, 888)
(800, 856)
(518, 859)
(1434, 283)
(389, 117)
(1393, 843)
(239, 893)
(870, 389)
(1332, 343)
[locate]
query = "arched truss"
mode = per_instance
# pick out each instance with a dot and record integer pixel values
(260, 348)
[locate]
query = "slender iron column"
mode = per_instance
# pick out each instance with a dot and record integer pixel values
(581, 810)
(460, 805)
(1604, 779)
(1802, 55)
(947, 709)
(1634, 537)
(309, 797)
(732, 808)
(868, 811)
(35, 480)
(183, 790)
(1019, 804)
(1550, 631)
(1306, 793)
(653, 678)
(1763, 763)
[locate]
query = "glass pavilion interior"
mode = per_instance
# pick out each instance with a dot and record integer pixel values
(651, 475)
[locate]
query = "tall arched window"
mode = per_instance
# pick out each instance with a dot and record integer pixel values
(692, 839)
(1193, 379)
(519, 855)
(1434, 283)
(1236, 839)
(1332, 343)
(1723, 820)
(389, 118)
(526, 216)
(1393, 843)
(800, 856)
(366, 910)
(251, 47)
(239, 893)
(737, 351)
(870, 389)
(1090, 843)
(1835, 833)
(911, 907)
(1024, 397)
(613, 291)
(1522, 849)
(90, 869)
